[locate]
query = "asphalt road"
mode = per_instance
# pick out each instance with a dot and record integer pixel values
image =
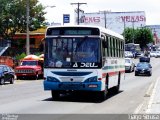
(28, 97)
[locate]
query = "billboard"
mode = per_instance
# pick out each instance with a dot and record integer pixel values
(115, 21)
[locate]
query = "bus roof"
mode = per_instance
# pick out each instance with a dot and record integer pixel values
(102, 29)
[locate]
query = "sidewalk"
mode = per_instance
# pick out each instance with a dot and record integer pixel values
(154, 103)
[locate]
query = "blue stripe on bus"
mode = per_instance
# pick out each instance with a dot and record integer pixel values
(72, 73)
(72, 86)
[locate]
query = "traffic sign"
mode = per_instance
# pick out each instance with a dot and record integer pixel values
(66, 18)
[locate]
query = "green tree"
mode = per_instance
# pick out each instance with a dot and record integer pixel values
(144, 36)
(129, 34)
(141, 36)
(13, 17)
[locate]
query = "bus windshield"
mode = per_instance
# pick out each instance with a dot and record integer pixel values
(64, 52)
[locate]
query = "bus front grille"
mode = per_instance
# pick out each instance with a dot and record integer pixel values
(72, 79)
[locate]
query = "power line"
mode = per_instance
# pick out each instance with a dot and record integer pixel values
(78, 4)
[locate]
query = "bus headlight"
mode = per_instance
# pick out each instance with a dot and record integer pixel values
(52, 79)
(91, 79)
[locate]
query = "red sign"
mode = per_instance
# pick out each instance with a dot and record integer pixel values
(133, 18)
(91, 19)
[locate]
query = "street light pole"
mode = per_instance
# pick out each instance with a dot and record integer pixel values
(27, 39)
(78, 10)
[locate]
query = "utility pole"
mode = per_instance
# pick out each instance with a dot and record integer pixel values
(105, 16)
(27, 39)
(105, 19)
(78, 4)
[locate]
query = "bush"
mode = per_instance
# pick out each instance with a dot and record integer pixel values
(21, 56)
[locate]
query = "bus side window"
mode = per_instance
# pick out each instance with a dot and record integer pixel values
(111, 46)
(107, 49)
(118, 48)
(104, 42)
(123, 48)
(103, 45)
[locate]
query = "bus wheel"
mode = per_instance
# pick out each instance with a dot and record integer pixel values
(55, 95)
(116, 89)
(103, 94)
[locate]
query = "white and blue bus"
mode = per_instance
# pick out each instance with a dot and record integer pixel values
(83, 58)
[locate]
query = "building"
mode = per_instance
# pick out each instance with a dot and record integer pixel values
(35, 38)
(18, 43)
(156, 32)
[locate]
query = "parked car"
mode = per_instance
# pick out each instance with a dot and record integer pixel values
(153, 54)
(129, 65)
(143, 68)
(157, 54)
(7, 74)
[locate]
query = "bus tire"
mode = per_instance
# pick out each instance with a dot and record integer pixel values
(55, 95)
(103, 94)
(116, 90)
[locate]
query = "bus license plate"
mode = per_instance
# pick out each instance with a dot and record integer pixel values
(70, 85)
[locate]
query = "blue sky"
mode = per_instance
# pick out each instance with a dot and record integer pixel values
(151, 8)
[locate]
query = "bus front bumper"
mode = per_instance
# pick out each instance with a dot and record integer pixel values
(89, 86)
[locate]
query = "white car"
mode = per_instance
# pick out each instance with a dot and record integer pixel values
(129, 65)
(153, 54)
(157, 54)
(129, 54)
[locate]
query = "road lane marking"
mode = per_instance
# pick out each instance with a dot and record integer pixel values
(152, 96)
(148, 94)
(138, 108)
